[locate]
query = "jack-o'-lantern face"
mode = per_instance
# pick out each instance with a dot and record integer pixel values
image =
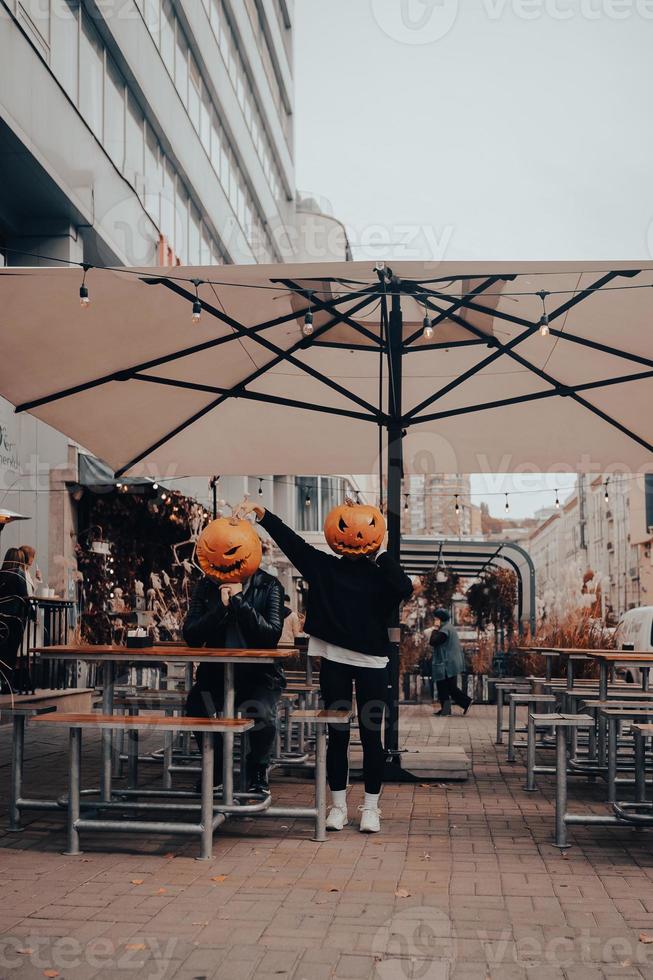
(229, 550)
(354, 529)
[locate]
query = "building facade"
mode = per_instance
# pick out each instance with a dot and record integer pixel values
(596, 547)
(439, 504)
(142, 132)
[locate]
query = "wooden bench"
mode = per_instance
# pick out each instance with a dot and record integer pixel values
(516, 700)
(18, 714)
(321, 718)
(67, 699)
(561, 723)
(209, 820)
(503, 686)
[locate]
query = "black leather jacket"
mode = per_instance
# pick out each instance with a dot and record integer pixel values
(252, 619)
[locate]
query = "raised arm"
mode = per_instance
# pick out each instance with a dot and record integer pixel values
(398, 584)
(305, 557)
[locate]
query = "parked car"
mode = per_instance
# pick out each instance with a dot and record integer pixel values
(635, 632)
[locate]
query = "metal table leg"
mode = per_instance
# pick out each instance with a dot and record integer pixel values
(208, 746)
(108, 673)
(132, 752)
(640, 768)
(320, 783)
(228, 711)
(499, 740)
(75, 765)
(18, 750)
(512, 722)
(561, 787)
(530, 756)
(612, 760)
(603, 696)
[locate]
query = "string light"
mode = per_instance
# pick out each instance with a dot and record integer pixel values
(406, 496)
(307, 328)
(457, 507)
(84, 298)
(427, 325)
(260, 486)
(557, 500)
(197, 302)
(307, 499)
(507, 507)
(544, 319)
(606, 495)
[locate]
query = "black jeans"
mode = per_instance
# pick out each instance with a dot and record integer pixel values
(257, 695)
(449, 691)
(336, 683)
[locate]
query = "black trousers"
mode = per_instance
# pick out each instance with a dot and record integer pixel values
(336, 684)
(449, 691)
(257, 695)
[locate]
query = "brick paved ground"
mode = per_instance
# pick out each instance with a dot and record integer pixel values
(462, 883)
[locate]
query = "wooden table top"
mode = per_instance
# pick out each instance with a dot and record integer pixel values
(160, 722)
(621, 656)
(168, 654)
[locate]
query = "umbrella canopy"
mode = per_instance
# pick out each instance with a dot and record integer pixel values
(152, 393)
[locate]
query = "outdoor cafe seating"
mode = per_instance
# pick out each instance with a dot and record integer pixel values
(595, 729)
(148, 792)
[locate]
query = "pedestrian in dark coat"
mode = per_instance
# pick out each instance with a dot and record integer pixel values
(448, 661)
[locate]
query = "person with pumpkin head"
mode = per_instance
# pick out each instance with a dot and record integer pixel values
(349, 603)
(237, 605)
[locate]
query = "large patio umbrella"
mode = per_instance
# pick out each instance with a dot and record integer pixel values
(446, 367)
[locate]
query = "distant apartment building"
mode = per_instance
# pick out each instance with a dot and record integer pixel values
(440, 505)
(598, 545)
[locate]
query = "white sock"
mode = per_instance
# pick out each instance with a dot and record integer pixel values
(339, 798)
(371, 801)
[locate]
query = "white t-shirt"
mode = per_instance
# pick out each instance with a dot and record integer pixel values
(340, 655)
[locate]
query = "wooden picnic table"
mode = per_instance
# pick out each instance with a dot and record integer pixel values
(110, 654)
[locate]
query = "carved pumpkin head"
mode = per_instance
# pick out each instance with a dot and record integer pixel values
(354, 529)
(229, 550)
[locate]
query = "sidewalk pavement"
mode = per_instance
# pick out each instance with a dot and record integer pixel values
(463, 883)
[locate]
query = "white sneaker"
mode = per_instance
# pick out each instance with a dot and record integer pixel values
(370, 820)
(337, 818)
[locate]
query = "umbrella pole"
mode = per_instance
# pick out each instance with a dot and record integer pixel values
(395, 473)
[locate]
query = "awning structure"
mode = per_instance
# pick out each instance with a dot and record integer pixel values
(450, 367)
(471, 558)
(136, 382)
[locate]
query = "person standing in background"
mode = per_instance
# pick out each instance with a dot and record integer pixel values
(292, 627)
(448, 661)
(35, 579)
(14, 612)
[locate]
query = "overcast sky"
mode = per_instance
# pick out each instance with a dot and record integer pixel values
(494, 129)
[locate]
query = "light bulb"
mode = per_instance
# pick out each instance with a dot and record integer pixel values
(84, 299)
(544, 326)
(155, 486)
(428, 327)
(197, 310)
(307, 501)
(307, 329)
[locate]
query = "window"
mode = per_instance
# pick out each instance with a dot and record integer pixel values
(215, 144)
(205, 121)
(168, 204)
(153, 175)
(64, 44)
(181, 66)
(181, 222)
(205, 248)
(114, 114)
(167, 46)
(91, 77)
(194, 236)
(135, 141)
(308, 517)
(151, 14)
(194, 93)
